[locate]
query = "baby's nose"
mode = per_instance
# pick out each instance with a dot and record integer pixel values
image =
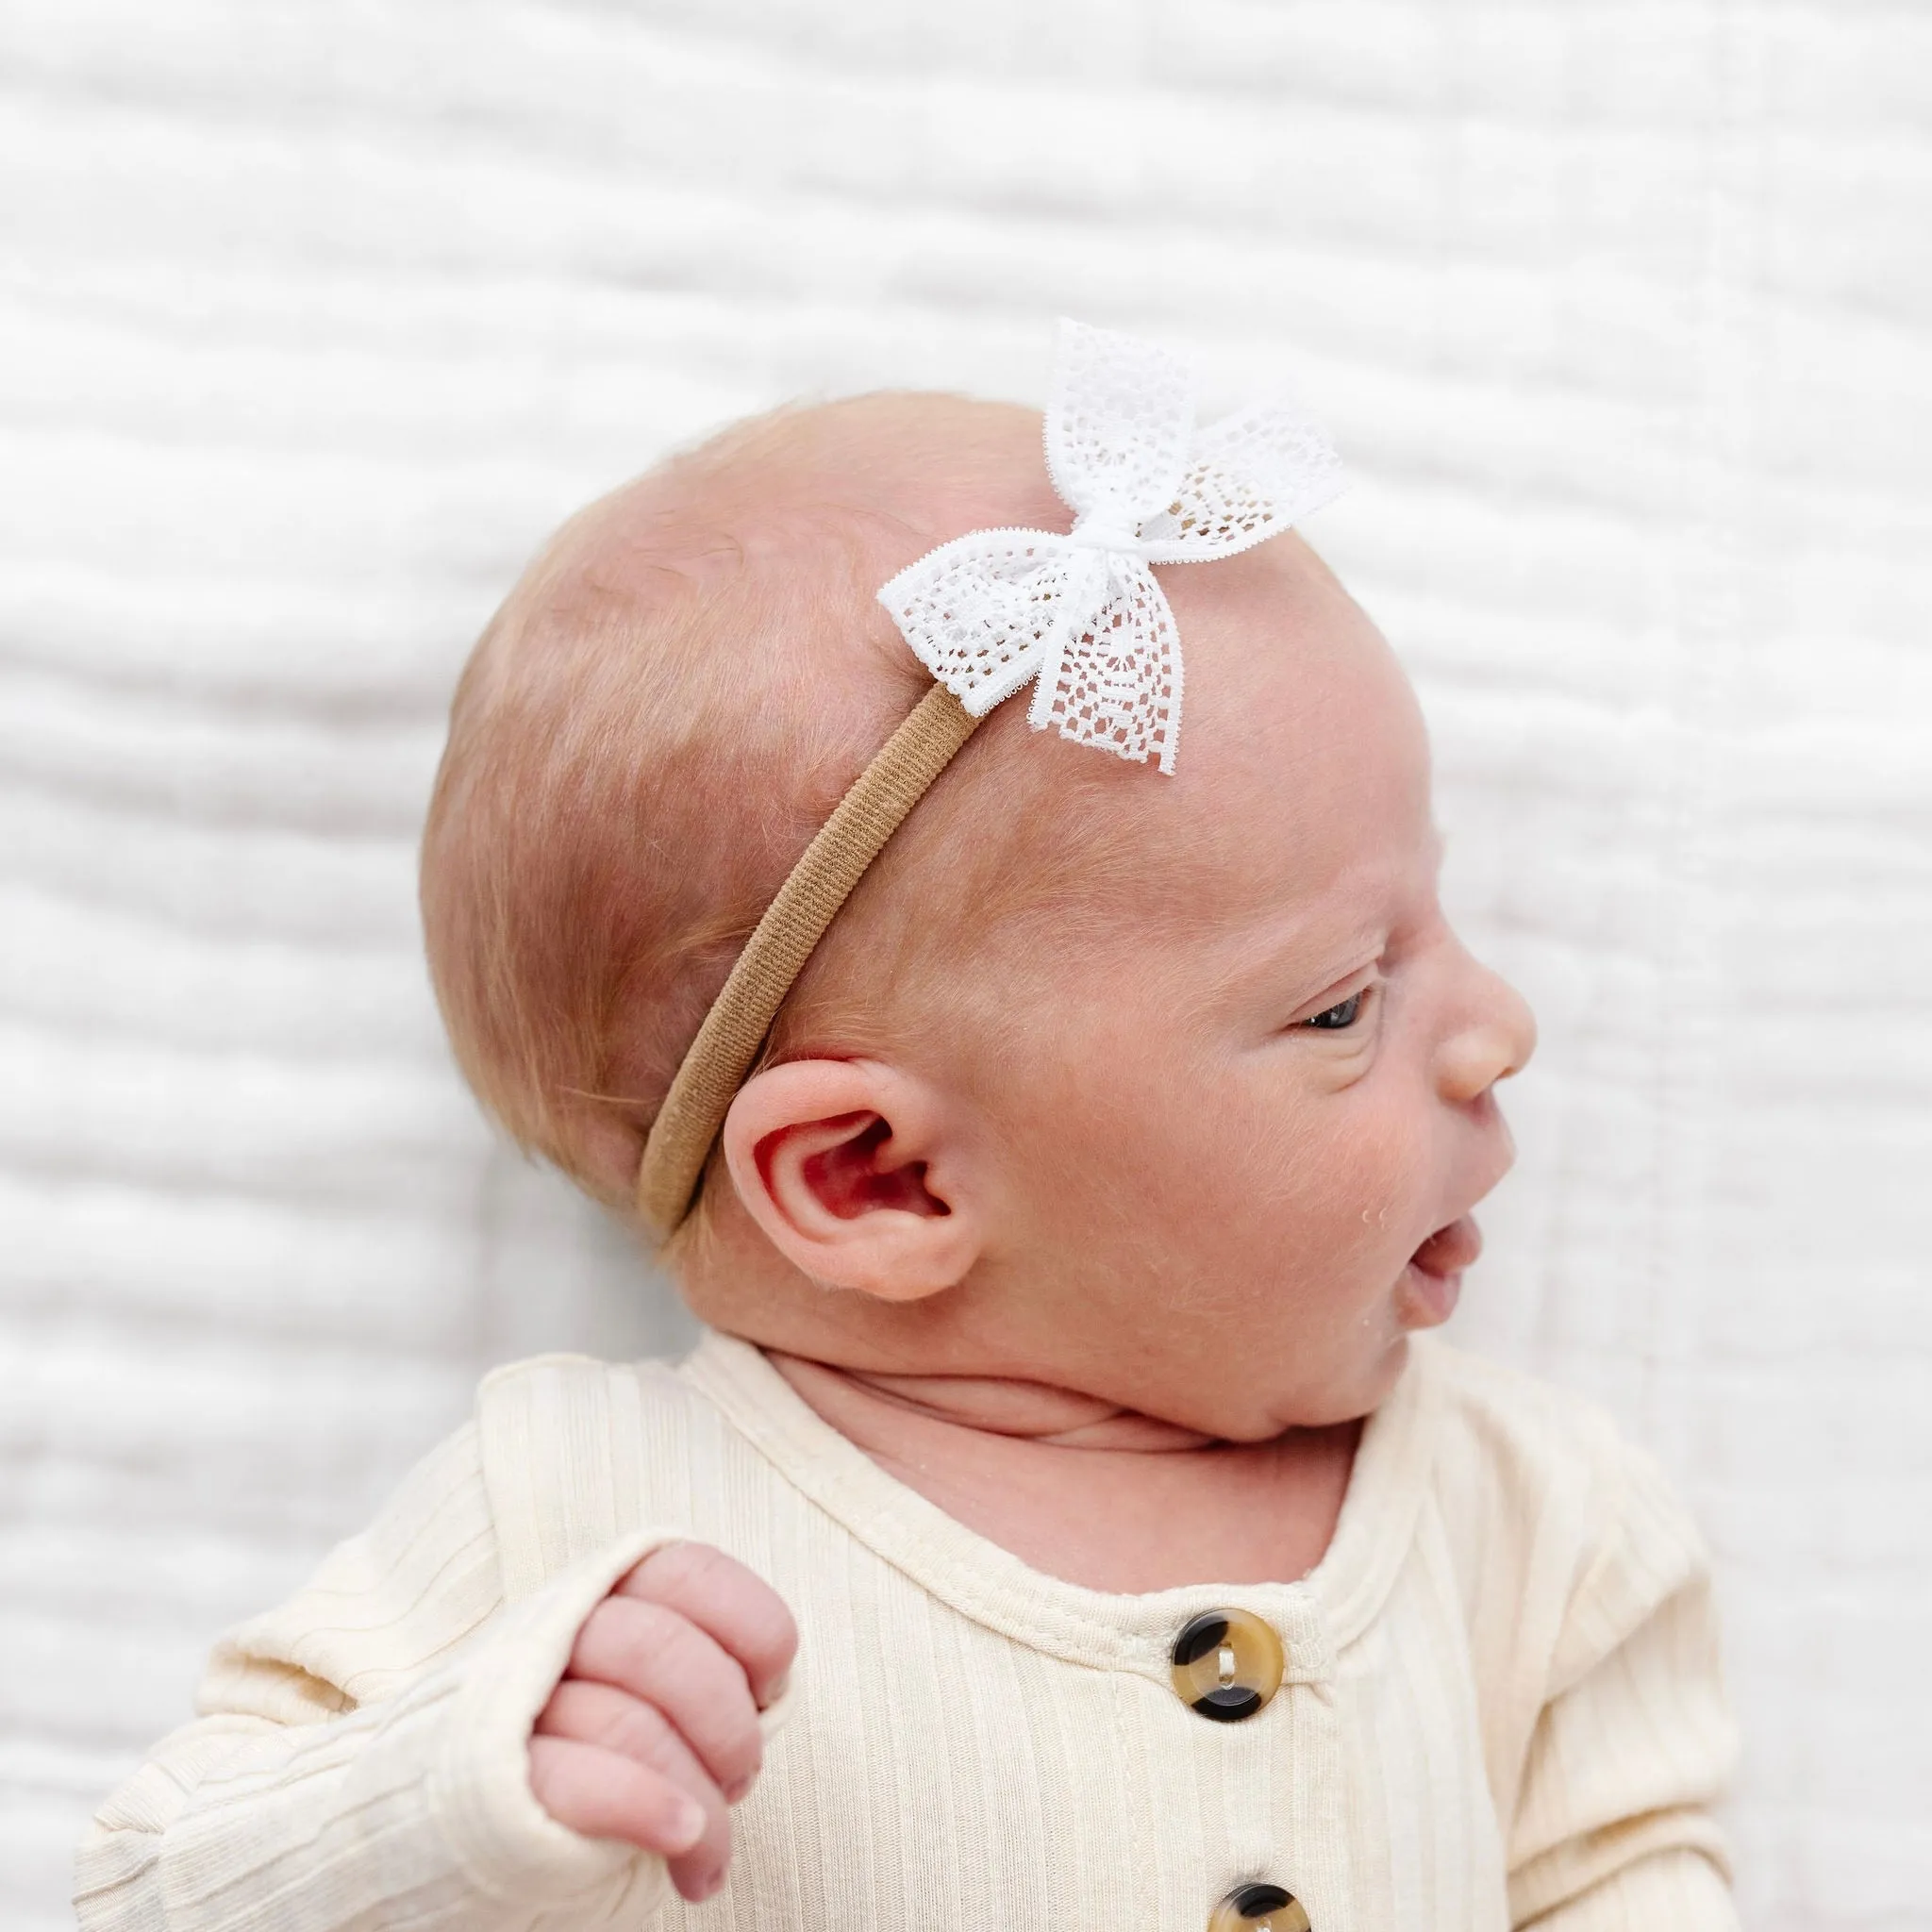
(1494, 1037)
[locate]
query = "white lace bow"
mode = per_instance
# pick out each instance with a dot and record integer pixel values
(1082, 613)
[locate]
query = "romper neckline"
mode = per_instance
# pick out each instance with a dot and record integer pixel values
(1316, 1616)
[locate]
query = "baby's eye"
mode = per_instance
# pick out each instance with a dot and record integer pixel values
(1341, 1016)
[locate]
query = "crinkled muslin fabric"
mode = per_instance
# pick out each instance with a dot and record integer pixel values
(318, 318)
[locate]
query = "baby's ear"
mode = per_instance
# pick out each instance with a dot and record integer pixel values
(856, 1176)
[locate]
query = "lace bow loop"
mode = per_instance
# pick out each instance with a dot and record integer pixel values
(1252, 476)
(1082, 612)
(1118, 428)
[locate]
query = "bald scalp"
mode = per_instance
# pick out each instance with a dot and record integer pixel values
(668, 706)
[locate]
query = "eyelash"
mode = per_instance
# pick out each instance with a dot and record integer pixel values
(1326, 1022)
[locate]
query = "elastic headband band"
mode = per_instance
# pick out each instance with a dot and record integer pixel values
(1077, 614)
(881, 797)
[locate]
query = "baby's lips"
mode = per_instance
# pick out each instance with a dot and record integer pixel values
(1451, 1249)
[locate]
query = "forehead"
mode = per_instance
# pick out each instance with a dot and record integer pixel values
(1304, 769)
(1043, 889)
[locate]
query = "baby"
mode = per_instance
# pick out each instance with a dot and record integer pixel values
(1063, 1206)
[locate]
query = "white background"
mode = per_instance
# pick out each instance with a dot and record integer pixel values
(315, 315)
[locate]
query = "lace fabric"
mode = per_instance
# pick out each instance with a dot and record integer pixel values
(1081, 614)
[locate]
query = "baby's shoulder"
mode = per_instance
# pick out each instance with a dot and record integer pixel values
(571, 1407)
(1538, 1492)
(577, 1452)
(1495, 1422)
(564, 1384)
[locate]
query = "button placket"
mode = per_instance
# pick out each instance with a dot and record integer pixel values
(1226, 1664)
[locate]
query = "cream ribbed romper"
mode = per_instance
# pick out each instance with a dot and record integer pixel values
(1501, 1703)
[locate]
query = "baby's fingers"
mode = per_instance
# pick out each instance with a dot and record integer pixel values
(600, 1794)
(611, 1719)
(663, 1659)
(735, 1607)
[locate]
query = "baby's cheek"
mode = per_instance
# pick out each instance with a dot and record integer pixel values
(1375, 1177)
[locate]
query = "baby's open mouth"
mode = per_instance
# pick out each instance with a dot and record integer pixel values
(1449, 1249)
(1434, 1276)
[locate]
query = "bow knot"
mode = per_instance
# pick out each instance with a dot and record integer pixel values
(1101, 530)
(1081, 613)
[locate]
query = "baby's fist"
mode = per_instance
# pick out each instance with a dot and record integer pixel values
(653, 1730)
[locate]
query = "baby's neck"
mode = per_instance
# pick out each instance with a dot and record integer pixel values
(998, 1405)
(1085, 1491)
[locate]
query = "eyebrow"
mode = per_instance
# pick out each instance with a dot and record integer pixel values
(1282, 949)
(1281, 944)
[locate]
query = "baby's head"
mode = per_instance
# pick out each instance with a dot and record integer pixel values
(1146, 1086)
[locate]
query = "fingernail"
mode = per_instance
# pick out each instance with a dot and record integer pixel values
(687, 1826)
(735, 1790)
(778, 1689)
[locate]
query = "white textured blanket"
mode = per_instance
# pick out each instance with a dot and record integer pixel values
(316, 315)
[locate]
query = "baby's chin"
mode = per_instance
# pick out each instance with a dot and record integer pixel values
(1425, 1296)
(1350, 1390)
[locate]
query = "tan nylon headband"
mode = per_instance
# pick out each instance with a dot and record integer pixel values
(735, 1029)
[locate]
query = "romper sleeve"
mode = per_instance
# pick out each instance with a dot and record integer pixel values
(362, 1759)
(1612, 1830)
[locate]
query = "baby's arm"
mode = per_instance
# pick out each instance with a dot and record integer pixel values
(366, 1756)
(1635, 1743)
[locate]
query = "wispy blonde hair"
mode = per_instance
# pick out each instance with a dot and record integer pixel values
(665, 709)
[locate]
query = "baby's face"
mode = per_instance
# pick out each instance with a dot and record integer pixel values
(1235, 1156)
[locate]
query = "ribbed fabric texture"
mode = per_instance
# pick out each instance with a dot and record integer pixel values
(1501, 1705)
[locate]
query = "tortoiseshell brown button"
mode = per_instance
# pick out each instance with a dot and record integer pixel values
(1259, 1908)
(1226, 1665)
